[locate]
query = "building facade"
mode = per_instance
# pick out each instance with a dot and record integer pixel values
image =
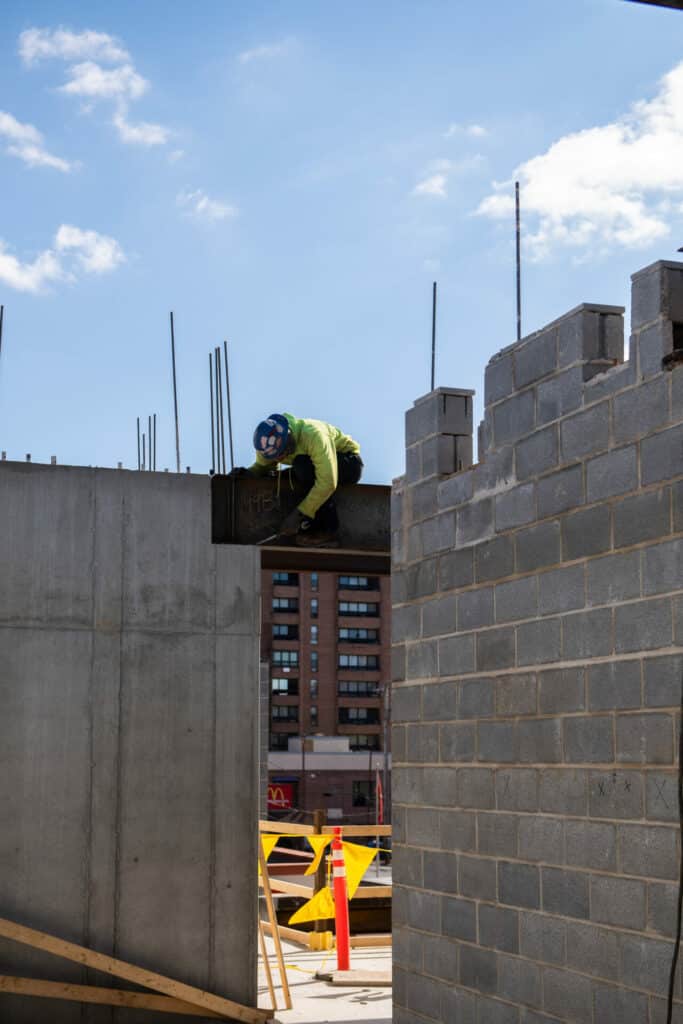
(326, 638)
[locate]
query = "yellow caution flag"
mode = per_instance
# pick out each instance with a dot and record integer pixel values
(319, 845)
(317, 909)
(357, 860)
(269, 842)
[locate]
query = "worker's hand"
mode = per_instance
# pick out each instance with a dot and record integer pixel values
(290, 524)
(239, 471)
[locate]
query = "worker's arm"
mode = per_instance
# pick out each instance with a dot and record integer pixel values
(323, 455)
(262, 466)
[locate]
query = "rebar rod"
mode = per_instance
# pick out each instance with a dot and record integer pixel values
(227, 388)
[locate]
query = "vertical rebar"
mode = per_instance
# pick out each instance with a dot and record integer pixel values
(143, 451)
(519, 262)
(213, 438)
(139, 443)
(433, 332)
(217, 414)
(149, 435)
(219, 376)
(227, 388)
(175, 400)
(154, 423)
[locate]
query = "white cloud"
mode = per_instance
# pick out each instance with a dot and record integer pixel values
(38, 43)
(26, 142)
(437, 175)
(265, 51)
(142, 134)
(201, 206)
(475, 131)
(93, 82)
(73, 250)
(603, 186)
(175, 155)
(435, 185)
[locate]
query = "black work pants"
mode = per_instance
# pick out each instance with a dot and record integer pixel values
(349, 471)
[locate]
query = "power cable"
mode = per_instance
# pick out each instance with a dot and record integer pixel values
(679, 906)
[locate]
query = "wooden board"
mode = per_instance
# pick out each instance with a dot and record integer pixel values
(356, 979)
(359, 830)
(285, 828)
(370, 940)
(102, 996)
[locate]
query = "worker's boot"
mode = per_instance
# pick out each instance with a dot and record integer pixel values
(322, 531)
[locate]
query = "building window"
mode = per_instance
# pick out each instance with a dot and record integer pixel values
(369, 608)
(285, 604)
(357, 688)
(355, 635)
(314, 634)
(362, 716)
(362, 793)
(285, 657)
(313, 688)
(287, 579)
(284, 687)
(359, 661)
(280, 740)
(314, 607)
(285, 632)
(363, 742)
(314, 715)
(284, 713)
(358, 583)
(314, 581)
(314, 661)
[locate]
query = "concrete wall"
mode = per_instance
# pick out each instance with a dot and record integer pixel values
(538, 632)
(129, 681)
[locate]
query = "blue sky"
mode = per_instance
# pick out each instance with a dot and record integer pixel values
(292, 177)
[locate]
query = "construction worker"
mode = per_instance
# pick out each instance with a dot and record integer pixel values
(321, 458)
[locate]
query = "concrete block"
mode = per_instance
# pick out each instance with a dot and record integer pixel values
(398, 743)
(586, 533)
(560, 491)
(516, 507)
(588, 739)
(661, 797)
(475, 788)
(536, 358)
(478, 969)
(439, 702)
(408, 865)
(495, 470)
(459, 919)
(456, 655)
(616, 794)
(519, 981)
(422, 499)
(497, 834)
(539, 741)
(516, 695)
(662, 681)
(458, 830)
(559, 395)
(646, 963)
(645, 739)
(406, 703)
(565, 892)
(475, 608)
(421, 660)
(648, 851)
(438, 616)
(613, 578)
(568, 995)
(587, 634)
(495, 649)
(677, 504)
(457, 1004)
(663, 567)
(593, 950)
(495, 1012)
(517, 789)
(537, 453)
(516, 599)
(676, 393)
(513, 418)
(438, 533)
(442, 411)
(423, 910)
(619, 1005)
(537, 546)
(656, 291)
(421, 579)
(474, 522)
(438, 455)
(585, 432)
(422, 828)
(661, 908)
(414, 542)
(456, 569)
(457, 742)
(519, 885)
(413, 472)
(561, 690)
(422, 744)
(437, 787)
(614, 685)
(440, 871)
(643, 625)
(541, 839)
(494, 559)
(405, 623)
(498, 382)
(476, 698)
(561, 590)
(477, 877)
(564, 791)
(497, 742)
(538, 642)
(423, 995)
(542, 938)
(613, 473)
(571, 329)
(641, 410)
(650, 346)
(661, 454)
(456, 490)
(499, 928)
(591, 844)
(398, 663)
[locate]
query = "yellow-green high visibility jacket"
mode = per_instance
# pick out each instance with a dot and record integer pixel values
(321, 442)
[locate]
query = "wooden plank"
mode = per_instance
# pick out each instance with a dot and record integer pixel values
(137, 975)
(291, 934)
(358, 941)
(266, 965)
(373, 892)
(359, 830)
(363, 892)
(285, 828)
(102, 996)
(265, 881)
(364, 979)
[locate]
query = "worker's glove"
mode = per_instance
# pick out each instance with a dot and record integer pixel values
(305, 524)
(239, 471)
(291, 523)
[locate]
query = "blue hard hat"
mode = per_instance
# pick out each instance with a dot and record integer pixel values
(271, 436)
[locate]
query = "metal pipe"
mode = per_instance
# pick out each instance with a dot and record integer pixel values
(218, 420)
(175, 400)
(143, 451)
(154, 467)
(519, 262)
(213, 438)
(149, 435)
(433, 332)
(219, 375)
(138, 442)
(227, 388)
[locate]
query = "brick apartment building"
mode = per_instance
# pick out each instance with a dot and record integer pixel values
(326, 638)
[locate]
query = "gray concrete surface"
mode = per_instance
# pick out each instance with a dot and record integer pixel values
(129, 694)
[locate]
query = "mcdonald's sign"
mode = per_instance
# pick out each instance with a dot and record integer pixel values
(280, 796)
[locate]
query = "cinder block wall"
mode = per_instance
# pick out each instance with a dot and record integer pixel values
(538, 632)
(129, 689)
